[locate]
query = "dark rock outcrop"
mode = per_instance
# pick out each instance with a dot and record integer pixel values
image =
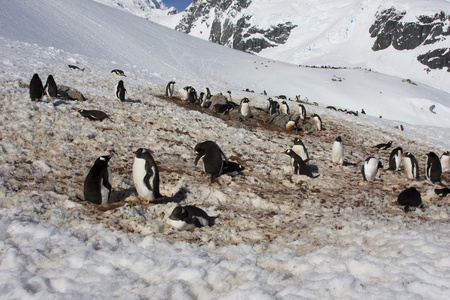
(389, 30)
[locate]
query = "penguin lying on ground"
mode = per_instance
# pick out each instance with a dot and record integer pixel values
(370, 168)
(146, 175)
(189, 217)
(384, 146)
(212, 158)
(442, 192)
(75, 67)
(395, 159)
(231, 168)
(94, 115)
(298, 165)
(97, 185)
(410, 198)
(434, 168)
(50, 88)
(36, 88)
(337, 152)
(118, 72)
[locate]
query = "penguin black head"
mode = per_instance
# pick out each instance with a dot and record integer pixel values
(142, 153)
(103, 160)
(120, 84)
(338, 139)
(289, 152)
(178, 213)
(297, 141)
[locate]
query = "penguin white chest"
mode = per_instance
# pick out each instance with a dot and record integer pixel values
(180, 225)
(371, 169)
(104, 191)
(337, 153)
(139, 173)
(245, 109)
(300, 150)
(408, 167)
(445, 163)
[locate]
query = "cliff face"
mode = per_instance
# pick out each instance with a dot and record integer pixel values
(229, 24)
(389, 30)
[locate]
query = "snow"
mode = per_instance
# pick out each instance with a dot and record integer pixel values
(279, 236)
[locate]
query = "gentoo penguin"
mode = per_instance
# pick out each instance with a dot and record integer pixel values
(75, 67)
(189, 217)
(395, 159)
(231, 168)
(410, 166)
(170, 89)
(228, 96)
(410, 198)
(94, 115)
(184, 92)
(317, 122)
(146, 175)
(298, 164)
(300, 149)
(207, 93)
(212, 158)
(118, 72)
(285, 108)
(274, 107)
(292, 125)
(337, 152)
(302, 111)
(370, 168)
(120, 91)
(97, 185)
(445, 162)
(224, 108)
(442, 192)
(192, 96)
(36, 88)
(434, 169)
(50, 88)
(245, 108)
(384, 146)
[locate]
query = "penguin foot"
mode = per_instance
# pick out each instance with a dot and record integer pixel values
(341, 166)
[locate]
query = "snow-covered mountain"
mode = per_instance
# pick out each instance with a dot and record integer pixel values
(143, 8)
(279, 235)
(402, 38)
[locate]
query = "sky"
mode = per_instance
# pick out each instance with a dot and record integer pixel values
(180, 5)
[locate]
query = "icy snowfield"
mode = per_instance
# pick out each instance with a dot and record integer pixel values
(279, 236)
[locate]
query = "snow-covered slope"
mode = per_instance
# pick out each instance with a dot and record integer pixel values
(337, 33)
(143, 8)
(279, 235)
(134, 44)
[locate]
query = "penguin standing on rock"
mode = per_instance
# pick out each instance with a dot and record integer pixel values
(189, 217)
(170, 89)
(317, 122)
(274, 107)
(300, 148)
(285, 108)
(298, 164)
(410, 198)
(97, 185)
(212, 158)
(395, 159)
(245, 108)
(146, 175)
(370, 168)
(337, 152)
(302, 111)
(36, 88)
(410, 166)
(50, 88)
(120, 91)
(434, 168)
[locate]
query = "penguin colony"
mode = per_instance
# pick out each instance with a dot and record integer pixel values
(97, 186)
